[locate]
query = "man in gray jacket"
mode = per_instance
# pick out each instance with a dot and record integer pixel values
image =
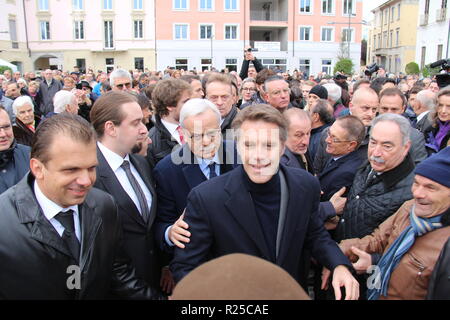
(47, 90)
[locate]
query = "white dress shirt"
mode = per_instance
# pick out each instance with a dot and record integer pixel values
(115, 161)
(422, 115)
(51, 209)
(172, 128)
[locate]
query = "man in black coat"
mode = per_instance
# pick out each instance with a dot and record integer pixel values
(167, 98)
(59, 237)
(260, 208)
(117, 119)
(14, 157)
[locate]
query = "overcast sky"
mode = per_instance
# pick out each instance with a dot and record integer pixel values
(368, 5)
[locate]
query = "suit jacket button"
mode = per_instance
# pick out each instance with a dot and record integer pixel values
(357, 197)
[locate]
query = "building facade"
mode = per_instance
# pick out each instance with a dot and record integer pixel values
(392, 38)
(433, 32)
(289, 34)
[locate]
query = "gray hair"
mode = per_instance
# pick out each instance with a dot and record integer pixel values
(403, 124)
(427, 98)
(271, 79)
(20, 102)
(194, 107)
(334, 91)
(118, 73)
(61, 99)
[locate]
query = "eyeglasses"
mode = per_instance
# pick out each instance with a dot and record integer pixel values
(212, 134)
(120, 86)
(6, 127)
(335, 140)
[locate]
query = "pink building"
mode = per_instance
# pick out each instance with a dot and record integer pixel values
(289, 34)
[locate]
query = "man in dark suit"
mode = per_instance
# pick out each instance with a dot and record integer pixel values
(177, 174)
(59, 237)
(260, 208)
(117, 119)
(299, 132)
(425, 102)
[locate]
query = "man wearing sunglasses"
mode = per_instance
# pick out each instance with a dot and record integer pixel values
(120, 80)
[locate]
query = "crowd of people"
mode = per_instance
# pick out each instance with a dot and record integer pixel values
(137, 178)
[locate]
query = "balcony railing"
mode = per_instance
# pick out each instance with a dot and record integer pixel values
(441, 14)
(263, 15)
(423, 19)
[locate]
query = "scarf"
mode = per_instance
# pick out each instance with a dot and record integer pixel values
(7, 155)
(390, 259)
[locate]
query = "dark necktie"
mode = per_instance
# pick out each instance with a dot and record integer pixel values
(69, 236)
(212, 170)
(137, 190)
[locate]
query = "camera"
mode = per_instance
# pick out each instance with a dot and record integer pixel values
(252, 49)
(443, 78)
(371, 69)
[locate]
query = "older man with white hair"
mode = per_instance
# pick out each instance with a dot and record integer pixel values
(334, 96)
(47, 90)
(425, 102)
(203, 157)
(26, 120)
(65, 101)
(120, 80)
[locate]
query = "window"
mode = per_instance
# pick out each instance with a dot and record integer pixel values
(77, 4)
(427, 6)
(391, 36)
(137, 5)
(326, 66)
(392, 14)
(422, 58)
(439, 52)
(206, 64)
(327, 6)
(181, 32)
(43, 5)
(231, 5)
(13, 34)
(109, 39)
(139, 63)
(386, 12)
(398, 12)
(305, 66)
(44, 27)
(275, 64)
(347, 34)
(305, 34)
(327, 34)
(385, 40)
(231, 64)
(206, 5)
(109, 64)
(78, 27)
(397, 37)
(180, 4)
(231, 32)
(444, 4)
(305, 6)
(374, 42)
(206, 31)
(138, 29)
(107, 4)
(379, 41)
(349, 7)
(181, 64)
(81, 64)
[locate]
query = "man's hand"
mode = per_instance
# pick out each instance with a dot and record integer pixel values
(364, 261)
(167, 283)
(178, 232)
(343, 278)
(338, 201)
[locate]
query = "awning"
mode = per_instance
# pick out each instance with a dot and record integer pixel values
(8, 64)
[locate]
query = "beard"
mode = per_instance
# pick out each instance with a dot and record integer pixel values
(137, 148)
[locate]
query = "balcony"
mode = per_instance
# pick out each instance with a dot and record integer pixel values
(423, 19)
(441, 14)
(269, 38)
(275, 10)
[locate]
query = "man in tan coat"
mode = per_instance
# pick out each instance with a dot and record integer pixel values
(410, 240)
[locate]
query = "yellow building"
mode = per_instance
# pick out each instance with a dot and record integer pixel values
(392, 37)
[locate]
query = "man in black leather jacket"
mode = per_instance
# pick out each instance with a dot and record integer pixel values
(59, 237)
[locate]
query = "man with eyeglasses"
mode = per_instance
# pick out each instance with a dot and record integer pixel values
(14, 157)
(277, 93)
(219, 92)
(120, 80)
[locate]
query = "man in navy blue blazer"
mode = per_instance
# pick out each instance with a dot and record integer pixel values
(186, 168)
(261, 208)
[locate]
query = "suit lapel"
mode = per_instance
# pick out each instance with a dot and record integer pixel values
(90, 225)
(115, 189)
(240, 206)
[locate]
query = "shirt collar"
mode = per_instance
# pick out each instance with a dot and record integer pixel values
(422, 115)
(204, 163)
(50, 208)
(114, 160)
(171, 127)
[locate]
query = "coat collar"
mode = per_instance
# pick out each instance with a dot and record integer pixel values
(394, 176)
